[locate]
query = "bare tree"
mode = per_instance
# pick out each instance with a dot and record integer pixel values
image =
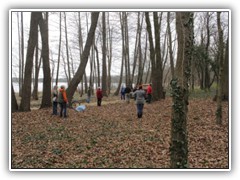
(84, 57)
(46, 98)
(67, 48)
(155, 57)
(170, 45)
(59, 46)
(104, 63)
(26, 90)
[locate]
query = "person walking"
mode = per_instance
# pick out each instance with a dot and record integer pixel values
(140, 100)
(122, 93)
(127, 93)
(149, 93)
(99, 96)
(55, 99)
(62, 99)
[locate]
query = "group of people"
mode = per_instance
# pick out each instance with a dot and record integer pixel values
(60, 97)
(140, 96)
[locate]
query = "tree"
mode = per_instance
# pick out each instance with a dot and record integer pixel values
(59, 46)
(46, 98)
(170, 45)
(220, 61)
(67, 48)
(179, 142)
(104, 63)
(37, 67)
(84, 57)
(26, 90)
(155, 57)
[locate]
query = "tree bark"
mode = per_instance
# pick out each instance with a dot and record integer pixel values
(179, 140)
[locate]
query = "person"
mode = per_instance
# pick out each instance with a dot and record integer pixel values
(55, 99)
(140, 99)
(99, 96)
(149, 93)
(62, 99)
(122, 93)
(127, 93)
(88, 95)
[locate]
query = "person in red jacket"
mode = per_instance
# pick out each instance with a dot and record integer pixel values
(149, 93)
(62, 100)
(99, 96)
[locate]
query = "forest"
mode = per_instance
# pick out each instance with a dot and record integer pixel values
(185, 57)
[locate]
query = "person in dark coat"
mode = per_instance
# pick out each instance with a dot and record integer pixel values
(127, 93)
(99, 96)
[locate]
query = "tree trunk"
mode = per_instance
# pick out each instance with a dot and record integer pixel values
(46, 98)
(84, 58)
(219, 85)
(22, 52)
(26, 91)
(104, 63)
(179, 142)
(14, 101)
(67, 49)
(170, 45)
(59, 47)
(37, 67)
(225, 84)
(109, 57)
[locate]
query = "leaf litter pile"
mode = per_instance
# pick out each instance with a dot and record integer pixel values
(111, 136)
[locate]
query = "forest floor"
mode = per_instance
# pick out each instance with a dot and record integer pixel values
(111, 136)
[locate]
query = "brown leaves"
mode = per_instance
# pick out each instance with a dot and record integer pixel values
(111, 136)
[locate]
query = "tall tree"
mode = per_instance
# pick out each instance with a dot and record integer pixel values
(46, 98)
(155, 57)
(67, 48)
(59, 46)
(104, 63)
(109, 55)
(220, 64)
(179, 142)
(170, 45)
(84, 57)
(26, 90)
(22, 52)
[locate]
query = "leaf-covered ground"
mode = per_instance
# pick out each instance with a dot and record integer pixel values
(111, 136)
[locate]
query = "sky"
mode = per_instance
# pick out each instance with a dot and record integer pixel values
(5, 106)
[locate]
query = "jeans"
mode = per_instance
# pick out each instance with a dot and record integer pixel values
(63, 109)
(140, 110)
(149, 98)
(55, 108)
(88, 99)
